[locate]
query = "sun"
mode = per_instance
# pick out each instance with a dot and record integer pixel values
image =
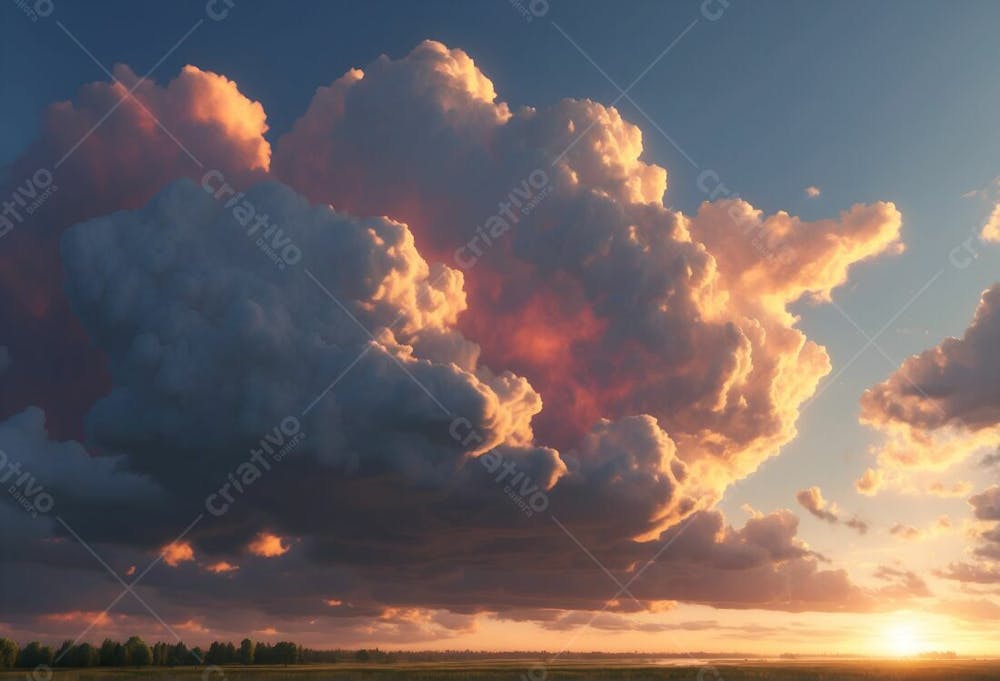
(902, 639)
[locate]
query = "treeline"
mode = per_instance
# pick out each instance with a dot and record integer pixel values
(137, 653)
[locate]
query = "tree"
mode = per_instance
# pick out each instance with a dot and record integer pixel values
(179, 655)
(137, 653)
(8, 653)
(286, 652)
(85, 655)
(247, 650)
(33, 655)
(362, 656)
(111, 654)
(215, 654)
(160, 653)
(63, 657)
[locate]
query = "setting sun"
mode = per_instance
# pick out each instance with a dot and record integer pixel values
(901, 639)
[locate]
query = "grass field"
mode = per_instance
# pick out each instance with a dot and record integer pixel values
(529, 670)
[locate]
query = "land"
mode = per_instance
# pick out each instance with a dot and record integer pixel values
(833, 669)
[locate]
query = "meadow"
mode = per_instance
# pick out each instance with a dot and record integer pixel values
(529, 670)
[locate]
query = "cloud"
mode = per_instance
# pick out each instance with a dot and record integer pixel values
(812, 500)
(47, 478)
(903, 583)
(857, 524)
(986, 552)
(990, 460)
(986, 504)
(941, 526)
(940, 405)
(268, 545)
(991, 229)
(532, 335)
(812, 191)
(698, 337)
(971, 573)
(88, 162)
(176, 553)
(221, 567)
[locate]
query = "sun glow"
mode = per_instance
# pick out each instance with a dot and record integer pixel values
(902, 639)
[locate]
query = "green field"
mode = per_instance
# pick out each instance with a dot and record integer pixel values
(530, 670)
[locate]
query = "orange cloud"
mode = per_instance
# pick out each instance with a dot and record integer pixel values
(192, 626)
(268, 545)
(96, 618)
(623, 308)
(938, 407)
(106, 154)
(991, 230)
(221, 567)
(812, 500)
(176, 553)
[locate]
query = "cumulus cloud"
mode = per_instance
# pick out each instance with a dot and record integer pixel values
(603, 360)
(698, 338)
(812, 191)
(88, 162)
(939, 405)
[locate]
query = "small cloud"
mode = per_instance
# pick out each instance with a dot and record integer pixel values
(176, 553)
(870, 482)
(957, 489)
(98, 619)
(812, 191)
(902, 531)
(268, 545)
(943, 525)
(991, 230)
(812, 500)
(192, 625)
(857, 524)
(222, 567)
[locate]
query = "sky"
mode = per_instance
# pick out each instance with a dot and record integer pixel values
(502, 325)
